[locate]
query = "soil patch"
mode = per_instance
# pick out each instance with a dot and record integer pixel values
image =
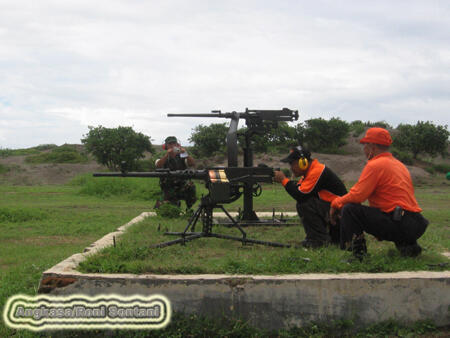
(348, 167)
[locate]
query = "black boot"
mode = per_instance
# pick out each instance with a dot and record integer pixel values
(409, 250)
(359, 248)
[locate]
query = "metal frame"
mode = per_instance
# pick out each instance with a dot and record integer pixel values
(205, 211)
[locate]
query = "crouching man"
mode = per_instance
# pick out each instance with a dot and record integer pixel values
(393, 213)
(317, 187)
(176, 189)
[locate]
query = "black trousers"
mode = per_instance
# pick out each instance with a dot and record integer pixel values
(314, 214)
(357, 218)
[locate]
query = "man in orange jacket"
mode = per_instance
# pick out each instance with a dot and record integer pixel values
(317, 187)
(393, 213)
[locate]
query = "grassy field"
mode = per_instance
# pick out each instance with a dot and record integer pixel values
(211, 255)
(42, 225)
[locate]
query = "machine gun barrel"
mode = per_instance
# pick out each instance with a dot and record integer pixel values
(284, 114)
(218, 114)
(196, 174)
(254, 174)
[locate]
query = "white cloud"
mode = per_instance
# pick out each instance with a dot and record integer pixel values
(117, 62)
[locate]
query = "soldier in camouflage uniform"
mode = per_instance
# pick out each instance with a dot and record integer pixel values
(175, 189)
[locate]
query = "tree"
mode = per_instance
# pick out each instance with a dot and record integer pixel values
(424, 137)
(272, 137)
(322, 135)
(209, 140)
(115, 147)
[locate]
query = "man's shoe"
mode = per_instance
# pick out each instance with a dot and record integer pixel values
(359, 247)
(312, 244)
(412, 250)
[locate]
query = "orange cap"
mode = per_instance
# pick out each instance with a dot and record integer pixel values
(377, 136)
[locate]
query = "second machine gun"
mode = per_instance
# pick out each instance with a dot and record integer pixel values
(224, 185)
(255, 120)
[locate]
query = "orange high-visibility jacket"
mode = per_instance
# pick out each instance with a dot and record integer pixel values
(386, 183)
(319, 181)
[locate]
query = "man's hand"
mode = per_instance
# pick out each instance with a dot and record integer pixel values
(334, 214)
(279, 176)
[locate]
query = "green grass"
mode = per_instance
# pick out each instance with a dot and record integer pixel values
(210, 255)
(106, 187)
(42, 225)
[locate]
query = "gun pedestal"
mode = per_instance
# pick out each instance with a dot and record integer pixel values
(205, 212)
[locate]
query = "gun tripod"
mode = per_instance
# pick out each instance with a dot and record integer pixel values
(205, 212)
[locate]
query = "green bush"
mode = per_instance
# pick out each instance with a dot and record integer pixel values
(325, 135)
(18, 152)
(63, 154)
(168, 210)
(380, 124)
(442, 168)
(209, 140)
(424, 137)
(43, 147)
(4, 169)
(402, 156)
(117, 148)
(357, 128)
(430, 170)
(273, 139)
(16, 215)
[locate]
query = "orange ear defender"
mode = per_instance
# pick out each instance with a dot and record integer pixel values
(303, 163)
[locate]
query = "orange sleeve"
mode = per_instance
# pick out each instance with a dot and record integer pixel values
(285, 181)
(361, 190)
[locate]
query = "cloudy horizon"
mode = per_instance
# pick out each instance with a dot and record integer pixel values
(68, 65)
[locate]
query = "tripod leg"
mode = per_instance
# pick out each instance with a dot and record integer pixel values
(194, 219)
(246, 240)
(236, 224)
(177, 241)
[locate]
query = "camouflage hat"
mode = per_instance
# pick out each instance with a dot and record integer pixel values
(170, 139)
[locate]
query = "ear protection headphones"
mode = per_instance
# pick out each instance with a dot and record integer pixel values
(303, 163)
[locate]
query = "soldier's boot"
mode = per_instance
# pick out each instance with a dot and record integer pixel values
(359, 247)
(409, 250)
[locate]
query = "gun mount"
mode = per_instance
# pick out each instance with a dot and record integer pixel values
(254, 120)
(224, 185)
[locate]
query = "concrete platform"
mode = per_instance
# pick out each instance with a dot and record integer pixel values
(270, 302)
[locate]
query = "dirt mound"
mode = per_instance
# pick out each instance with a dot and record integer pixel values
(21, 173)
(348, 167)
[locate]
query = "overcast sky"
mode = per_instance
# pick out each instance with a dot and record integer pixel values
(66, 65)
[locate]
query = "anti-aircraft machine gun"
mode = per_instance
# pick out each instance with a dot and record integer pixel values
(224, 186)
(254, 120)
